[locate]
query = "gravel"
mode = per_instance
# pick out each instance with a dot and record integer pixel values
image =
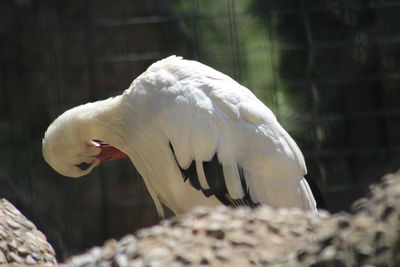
(220, 236)
(368, 236)
(20, 241)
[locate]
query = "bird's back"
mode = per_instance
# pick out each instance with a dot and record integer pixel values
(207, 126)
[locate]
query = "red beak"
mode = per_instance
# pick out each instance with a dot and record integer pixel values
(109, 153)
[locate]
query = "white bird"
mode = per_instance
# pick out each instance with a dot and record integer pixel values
(197, 137)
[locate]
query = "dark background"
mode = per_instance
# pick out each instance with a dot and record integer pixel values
(328, 69)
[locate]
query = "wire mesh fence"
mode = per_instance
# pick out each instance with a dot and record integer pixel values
(328, 69)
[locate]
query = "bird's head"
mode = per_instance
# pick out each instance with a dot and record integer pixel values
(69, 147)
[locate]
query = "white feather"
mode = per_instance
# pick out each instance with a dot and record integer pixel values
(232, 180)
(220, 110)
(202, 176)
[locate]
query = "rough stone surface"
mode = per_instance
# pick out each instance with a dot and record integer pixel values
(220, 236)
(20, 242)
(369, 236)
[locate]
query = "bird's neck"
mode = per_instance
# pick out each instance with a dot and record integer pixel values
(102, 120)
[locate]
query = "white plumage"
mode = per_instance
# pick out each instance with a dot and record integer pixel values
(195, 135)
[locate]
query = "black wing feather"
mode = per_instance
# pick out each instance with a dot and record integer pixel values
(246, 199)
(213, 171)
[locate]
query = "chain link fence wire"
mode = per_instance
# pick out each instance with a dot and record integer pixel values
(328, 69)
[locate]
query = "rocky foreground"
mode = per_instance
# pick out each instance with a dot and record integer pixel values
(214, 237)
(20, 242)
(369, 236)
(265, 237)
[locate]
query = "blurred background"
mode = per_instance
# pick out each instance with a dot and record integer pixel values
(329, 70)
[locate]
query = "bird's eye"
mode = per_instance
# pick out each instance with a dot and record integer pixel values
(83, 166)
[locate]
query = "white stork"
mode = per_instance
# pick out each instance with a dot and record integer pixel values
(197, 137)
